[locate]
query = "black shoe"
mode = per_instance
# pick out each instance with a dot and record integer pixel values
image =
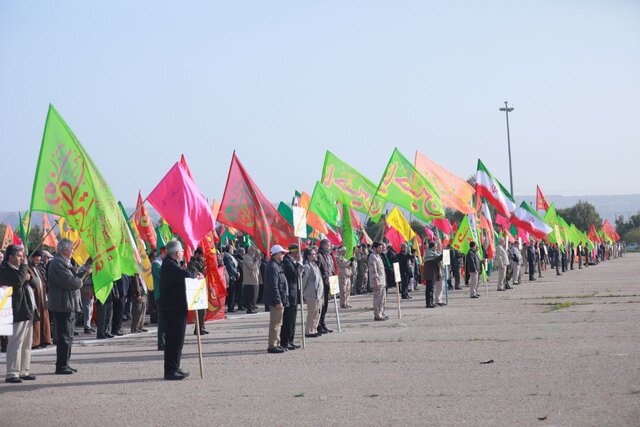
(108, 335)
(183, 373)
(175, 376)
(327, 330)
(204, 332)
(501, 290)
(441, 304)
(73, 369)
(532, 279)
(320, 332)
(291, 347)
(312, 335)
(75, 334)
(101, 337)
(64, 371)
(431, 306)
(13, 380)
(379, 319)
(28, 377)
(276, 350)
(475, 296)
(118, 333)
(508, 287)
(231, 310)
(251, 311)
(89, 331)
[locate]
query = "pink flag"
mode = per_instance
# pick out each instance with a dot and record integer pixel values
(444, 225)
(523, 235)
(180, 203)
(394, 237)
(430, 236)
(502, 221)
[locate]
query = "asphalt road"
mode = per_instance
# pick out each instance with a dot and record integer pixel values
(565, 351)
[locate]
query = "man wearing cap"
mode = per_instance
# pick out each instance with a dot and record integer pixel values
(276, 291)
(292, 268)
(378, 281)
(345, 272)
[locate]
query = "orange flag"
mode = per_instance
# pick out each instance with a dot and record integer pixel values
(454, 192)
(9, 237)
(313, 220)
(541, 202)
(49, 237)
(144, 224)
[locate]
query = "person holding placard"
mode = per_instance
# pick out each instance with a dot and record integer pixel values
(174, 309)
(14, 272)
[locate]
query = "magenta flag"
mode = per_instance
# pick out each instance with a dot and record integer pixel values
(444, 225)
(430, 236)
(180, 203)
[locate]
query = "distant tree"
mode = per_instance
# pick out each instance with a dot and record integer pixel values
(632, 236)
(418, 228)
(582, 214)
(34, 240)
(375, 230)
(623, 227)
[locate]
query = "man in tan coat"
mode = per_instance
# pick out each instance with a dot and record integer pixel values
(378, 281)
(502, 261)
(251, 278)
(344, 277)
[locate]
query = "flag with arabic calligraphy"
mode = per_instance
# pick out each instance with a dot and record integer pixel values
(144, 224)
(403, 185)
(67, 183)
(348, 186)
(323, 204)
(244, 207)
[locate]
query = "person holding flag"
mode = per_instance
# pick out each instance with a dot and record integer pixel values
(473, 266)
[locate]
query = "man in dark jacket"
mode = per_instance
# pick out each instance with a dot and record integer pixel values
(174, 309)
(196, 266)
(276, 290)
(14, 272)
(431, 272)
(473, 267)
(231, 265)
(531, 259)
(405, 273)
(64, 302)
(291, 264)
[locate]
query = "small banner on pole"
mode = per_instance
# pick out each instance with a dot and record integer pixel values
(6, 311)
(196, 294)
(299, 222)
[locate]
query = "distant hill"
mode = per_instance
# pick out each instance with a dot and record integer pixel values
(607, 206)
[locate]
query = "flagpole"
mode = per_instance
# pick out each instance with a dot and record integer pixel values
(195, 312)
(302, 328)
(45, 236)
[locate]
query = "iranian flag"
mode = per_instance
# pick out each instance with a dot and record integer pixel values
(489, 187)
(525, 218)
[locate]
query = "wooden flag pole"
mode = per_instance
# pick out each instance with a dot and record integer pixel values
(199, 343)
(302, 327)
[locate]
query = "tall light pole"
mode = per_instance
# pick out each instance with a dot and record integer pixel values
(507, 110)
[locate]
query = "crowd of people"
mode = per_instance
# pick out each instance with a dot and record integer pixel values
(49, 291)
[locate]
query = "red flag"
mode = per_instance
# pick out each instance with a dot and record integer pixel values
(334, 237)
(394, 237)
(541, 202)
(183, 207)
(355, 220)
(593, 234)
(455, 227)
(244, 207)
(610, 231)
(145, 225)
(444, 225)
(502, 221)
(214, 280)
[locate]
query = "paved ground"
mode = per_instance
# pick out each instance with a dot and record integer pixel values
(574, 365)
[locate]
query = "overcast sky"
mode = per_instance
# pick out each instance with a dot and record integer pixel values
(141, 82)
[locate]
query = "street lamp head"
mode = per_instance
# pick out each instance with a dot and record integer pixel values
(510, 109)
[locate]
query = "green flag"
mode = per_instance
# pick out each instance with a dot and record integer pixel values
(67, 183)
(23, 228)
(349, 239)
(403, 185)
(348, 186)
(551, 218)
(324, 205)
(287, 213)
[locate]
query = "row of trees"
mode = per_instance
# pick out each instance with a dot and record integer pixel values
(629, 230)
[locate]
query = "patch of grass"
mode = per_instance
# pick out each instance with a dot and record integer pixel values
(299, 395)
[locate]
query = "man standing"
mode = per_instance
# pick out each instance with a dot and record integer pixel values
(64, 302)
(362, 282)
(174, 309)
(473, 267)
(456, 256)
(431, 273)
(516, 258)
(312, 289)
(531, 260)
(502, 260)
(292, 268)
(405, 274)
(378, 280)
(87, 296)
(251, 278)
(196, 267)
(14, 272)
(138, 294)
(327, 269)
(41, 323)
(156, 266)
(276, 291)
(231, 265)
(344, 277)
